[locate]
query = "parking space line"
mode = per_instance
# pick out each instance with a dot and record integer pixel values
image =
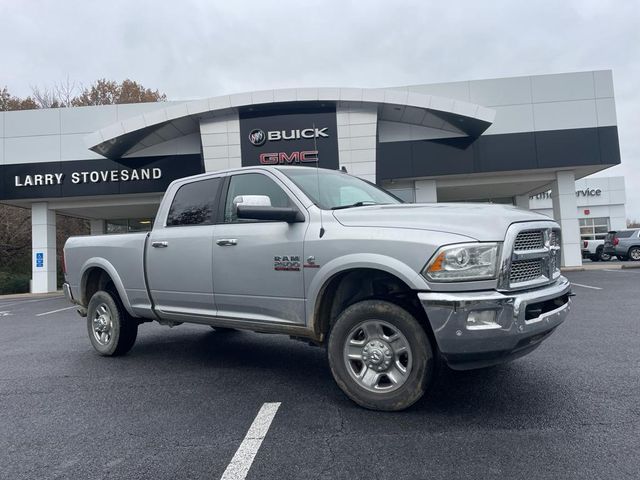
(242, 460)
(56, 311)
(20, 302)
(585, 286)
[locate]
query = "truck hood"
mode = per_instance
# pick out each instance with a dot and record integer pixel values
(479, 221)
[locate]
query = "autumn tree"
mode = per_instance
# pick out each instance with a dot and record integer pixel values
(108, 92)
(9, 102)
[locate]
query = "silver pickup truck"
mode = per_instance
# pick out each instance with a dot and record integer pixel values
(391, 289)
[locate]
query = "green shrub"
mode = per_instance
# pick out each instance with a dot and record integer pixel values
(14, 283)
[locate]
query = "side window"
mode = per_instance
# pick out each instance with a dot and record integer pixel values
(195, 203)
(253, 184)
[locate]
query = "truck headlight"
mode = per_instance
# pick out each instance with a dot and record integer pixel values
(463, 261)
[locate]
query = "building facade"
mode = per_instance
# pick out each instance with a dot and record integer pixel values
(500, 140)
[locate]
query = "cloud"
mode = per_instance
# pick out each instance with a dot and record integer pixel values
(194, 49)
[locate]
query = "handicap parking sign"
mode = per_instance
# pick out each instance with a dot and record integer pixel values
(39, 259)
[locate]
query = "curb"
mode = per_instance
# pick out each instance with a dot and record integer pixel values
(603, 266)
(31, 295)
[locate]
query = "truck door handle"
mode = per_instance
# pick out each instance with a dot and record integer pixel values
(227, 242)
(159, 244)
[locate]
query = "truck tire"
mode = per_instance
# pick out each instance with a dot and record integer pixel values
(380, 356)
(603, 257)
(112, 331)
(634, 253)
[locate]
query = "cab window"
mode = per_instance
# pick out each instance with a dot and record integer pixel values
(195, 203)
(253, 184)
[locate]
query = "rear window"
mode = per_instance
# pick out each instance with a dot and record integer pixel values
(195, 203)
(625, 233)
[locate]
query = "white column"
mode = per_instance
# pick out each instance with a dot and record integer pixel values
(220, 138)
(97, 227)
(565, 212)
(522, 201)
(426, 191)
(43, 244)
(357, 128)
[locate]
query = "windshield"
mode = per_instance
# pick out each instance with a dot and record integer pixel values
(337, 189)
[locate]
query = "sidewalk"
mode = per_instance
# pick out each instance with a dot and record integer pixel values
(30, 295)
(602, 266)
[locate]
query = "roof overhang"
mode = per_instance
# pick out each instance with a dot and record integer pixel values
(126, 137)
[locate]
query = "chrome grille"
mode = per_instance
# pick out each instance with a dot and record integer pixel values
(525, 270)
(531, 240)
(531, 256)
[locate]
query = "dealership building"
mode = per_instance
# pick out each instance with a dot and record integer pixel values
(520, 140)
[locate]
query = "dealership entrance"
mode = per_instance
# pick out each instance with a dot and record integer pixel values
(504, 140)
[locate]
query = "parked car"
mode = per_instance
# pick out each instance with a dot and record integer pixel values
(390, 288)
(594, 250)
(624, 244)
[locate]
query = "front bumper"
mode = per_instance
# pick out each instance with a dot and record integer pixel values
(524, 319)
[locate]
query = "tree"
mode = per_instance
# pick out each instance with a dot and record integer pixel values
(108, 92)
(9, 102)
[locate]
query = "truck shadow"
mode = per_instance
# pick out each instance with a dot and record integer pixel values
(276, 366)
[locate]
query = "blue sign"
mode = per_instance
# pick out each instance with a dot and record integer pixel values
(39, 259)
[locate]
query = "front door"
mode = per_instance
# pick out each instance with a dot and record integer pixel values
(258, 264)
(180, 254)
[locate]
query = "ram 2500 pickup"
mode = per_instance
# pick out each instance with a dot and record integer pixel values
(391, 289)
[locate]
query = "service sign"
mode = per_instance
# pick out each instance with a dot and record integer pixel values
(308, 136)
(95, 177)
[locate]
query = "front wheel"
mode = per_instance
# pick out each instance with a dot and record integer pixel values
(111, 329)
(380, 356)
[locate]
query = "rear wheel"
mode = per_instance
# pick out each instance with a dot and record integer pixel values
(605, 257)
(380, 356)
(634, 253)
(112, 331)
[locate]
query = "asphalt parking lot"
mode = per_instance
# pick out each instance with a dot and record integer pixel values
(180, 404)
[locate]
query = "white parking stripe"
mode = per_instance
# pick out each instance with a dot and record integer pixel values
(585, 286)
(20, 302)
(55, 311)
(242, 460)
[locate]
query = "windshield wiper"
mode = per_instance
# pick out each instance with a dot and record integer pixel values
(357, 204)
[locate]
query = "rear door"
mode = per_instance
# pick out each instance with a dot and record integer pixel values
(180, 253)
(258, 273)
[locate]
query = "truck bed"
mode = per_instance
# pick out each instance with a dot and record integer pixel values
(125, 265)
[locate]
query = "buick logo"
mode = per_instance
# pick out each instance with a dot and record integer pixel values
(257, 137)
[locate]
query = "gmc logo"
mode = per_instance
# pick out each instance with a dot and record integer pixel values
(284, 158)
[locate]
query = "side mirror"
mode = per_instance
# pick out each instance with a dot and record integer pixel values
(258, 207)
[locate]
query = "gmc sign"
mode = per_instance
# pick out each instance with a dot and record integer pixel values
(284, 158)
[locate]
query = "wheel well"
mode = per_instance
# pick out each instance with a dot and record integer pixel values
(352, 286)
(96, 279)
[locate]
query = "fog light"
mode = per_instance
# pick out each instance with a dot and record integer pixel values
(482, 320)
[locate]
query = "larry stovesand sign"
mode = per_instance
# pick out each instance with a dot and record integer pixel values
(95, 177)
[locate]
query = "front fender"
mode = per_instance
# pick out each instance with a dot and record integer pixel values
(98, 262)
(344, 263)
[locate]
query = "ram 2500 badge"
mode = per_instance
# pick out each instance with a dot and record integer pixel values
(391, 289)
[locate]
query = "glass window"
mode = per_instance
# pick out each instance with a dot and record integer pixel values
(329, 189)
(253, 184)
(117, 226)
(594, 228)
(127, 225)
(195, 203)
(624, 233)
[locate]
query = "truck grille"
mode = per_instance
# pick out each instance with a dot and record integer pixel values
(532, 255)
(525, 270)
(531, 240)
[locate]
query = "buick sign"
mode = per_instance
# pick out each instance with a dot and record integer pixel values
(257, 137)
